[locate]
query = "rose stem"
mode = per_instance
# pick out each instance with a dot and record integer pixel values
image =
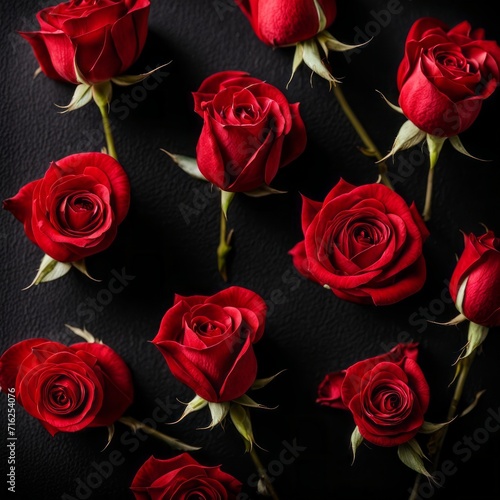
(428, 195)
(110, 143)
(261, 471)
(371, 149)
(435, 144)
(136, 425)
(224, 239)
(464, 366)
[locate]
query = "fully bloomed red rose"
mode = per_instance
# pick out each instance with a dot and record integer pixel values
(387, 395)
(249, 131)
(364, 242)
(445, 75)
(181, 478)
(67, 388)
(475, 282)
(207, 341)
(75, 209)
(102, 38)
(286, 22)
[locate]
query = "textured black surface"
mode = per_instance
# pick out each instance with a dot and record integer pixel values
(309, 331)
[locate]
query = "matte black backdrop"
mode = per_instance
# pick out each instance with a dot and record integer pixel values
(309, 331)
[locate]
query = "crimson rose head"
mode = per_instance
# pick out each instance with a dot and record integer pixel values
(102, 39)
(364, 243)
(445, 75)
(75, 209)
(387, 395)
(182, 477)
(207, 341)
(287, 22)
(67, 388)
(475, 282)
(250, 131)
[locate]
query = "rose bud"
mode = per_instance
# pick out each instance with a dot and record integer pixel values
(207, 342)
(286, 22)
(100, 40)
(364, 243)
(250, 131)
(67, 388)
(475, 282)
(182, 477)
(75, 209)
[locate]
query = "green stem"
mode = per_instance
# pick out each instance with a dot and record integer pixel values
(110, 143)
(464, 366)
(224, 237)
(370, 148)
(435, 144)
(261, 471)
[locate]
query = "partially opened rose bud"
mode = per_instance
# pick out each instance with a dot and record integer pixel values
(286, 22)
(475, 283)
(303, 23)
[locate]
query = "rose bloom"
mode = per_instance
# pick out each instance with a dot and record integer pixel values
(181, 478)
(387, 395)
(287, 22)
(67, 388)
(103, 38)
(75, 209)
(475, 282)
(365, 243)
(207, 341)
(249, 131)
(445, 75)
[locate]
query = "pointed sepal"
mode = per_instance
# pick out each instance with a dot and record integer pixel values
(188, 164)
(356, 440)
(262, 382)
(81, 97)
(240, 417)
(218, 412)
(126, 80)
(196, 404)
(49, 270)
(84, 334)
(81, 266)
(263, 190)
(409, 135)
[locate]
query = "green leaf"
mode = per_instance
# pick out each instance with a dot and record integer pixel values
(430, 428)
(196, 404)
(411, 455)
(457, 144)
(188, 164)
(84, 334)
(473, 404)
(477, 334)
(81, 97)
(248, 401)
(409, 135)
(49, 270)
(262, 382)
(82, 267)
(241, 420)
(356, 440)
(219, 412)
(126, 80)
(312, 59)
(263, 190)
(298, 58)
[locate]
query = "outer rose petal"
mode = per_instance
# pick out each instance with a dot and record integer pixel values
(329, 390)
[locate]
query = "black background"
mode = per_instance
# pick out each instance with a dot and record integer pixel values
(309, 331)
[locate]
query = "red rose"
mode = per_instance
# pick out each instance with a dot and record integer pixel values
(475, 282)
(249, 131)
(445, 75)
(182, 477)
(75, 209)
(286, 22)
(67, 388)
(364, 243)
(103, 38)
(207, 341)
(387, 395)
